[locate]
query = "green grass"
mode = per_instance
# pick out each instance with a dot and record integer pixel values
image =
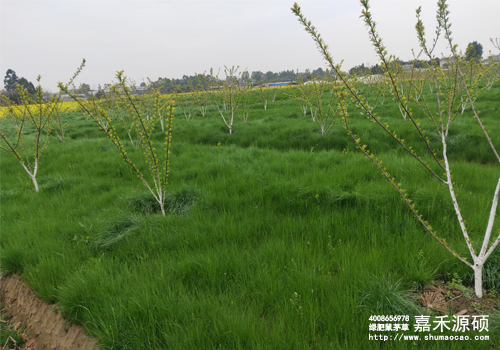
(274, 239)
(8, 333)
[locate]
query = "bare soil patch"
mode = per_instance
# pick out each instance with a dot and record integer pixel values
(444, 298)
(45, 328)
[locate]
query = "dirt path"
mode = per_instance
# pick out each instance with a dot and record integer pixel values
(45, 327)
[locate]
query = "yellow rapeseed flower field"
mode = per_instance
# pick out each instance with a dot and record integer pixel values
(69, 106)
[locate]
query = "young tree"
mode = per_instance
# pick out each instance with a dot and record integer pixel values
(322, 96)
(58, 123)
(245, 99)
(198, 97)
(328, 100)
(202, 100)
(302, 92)
(186, 100)
(223, 93)
(35, 114)
(264, 94)
(445, 96)
(144, 113)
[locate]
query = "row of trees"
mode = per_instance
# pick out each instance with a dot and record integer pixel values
(34, 121)
(233, 95)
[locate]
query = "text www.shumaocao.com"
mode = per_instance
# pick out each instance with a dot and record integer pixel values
(381, 325)
(429, 336)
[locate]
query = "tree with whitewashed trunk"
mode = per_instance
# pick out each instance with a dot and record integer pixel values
(264, 95)
(302, 93)
(186, 100)
(202, 101)
(274, 92)
(32, 117)
(323, 97)
(223, 93)
(446, 97)
(245, 100)
(143, 112)
(199, 97)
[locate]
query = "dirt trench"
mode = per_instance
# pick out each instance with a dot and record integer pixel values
(45, 328)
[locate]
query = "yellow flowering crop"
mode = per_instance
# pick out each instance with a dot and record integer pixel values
(70, 106)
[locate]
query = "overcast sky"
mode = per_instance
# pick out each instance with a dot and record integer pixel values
(167, 38)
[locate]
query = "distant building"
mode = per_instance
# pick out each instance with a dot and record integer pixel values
(66, 97)
(316, 81)
(444, 62)
(284, 83)
(140, 90)
(372, 79)
(407, 66)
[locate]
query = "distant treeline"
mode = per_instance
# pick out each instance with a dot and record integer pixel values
(187, 83)
(362, 70)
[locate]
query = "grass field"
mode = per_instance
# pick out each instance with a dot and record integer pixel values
(277, 237)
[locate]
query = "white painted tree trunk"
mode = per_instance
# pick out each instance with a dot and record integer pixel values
(478, 279)
(33, 178)
(303, 108)
(313, 113)
(203, 110)
(418, 94)
(463, 104)
(32, 175)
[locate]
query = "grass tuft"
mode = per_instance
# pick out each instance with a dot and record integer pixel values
(117, 230)
(176, 202)
(386, 296)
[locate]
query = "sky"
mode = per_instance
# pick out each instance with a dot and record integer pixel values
(172, 38)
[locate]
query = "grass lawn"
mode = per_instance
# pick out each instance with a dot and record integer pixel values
(276, 237)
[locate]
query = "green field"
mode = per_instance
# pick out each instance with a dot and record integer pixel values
(276, 237)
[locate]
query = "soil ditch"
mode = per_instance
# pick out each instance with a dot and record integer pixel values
(45, 328)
